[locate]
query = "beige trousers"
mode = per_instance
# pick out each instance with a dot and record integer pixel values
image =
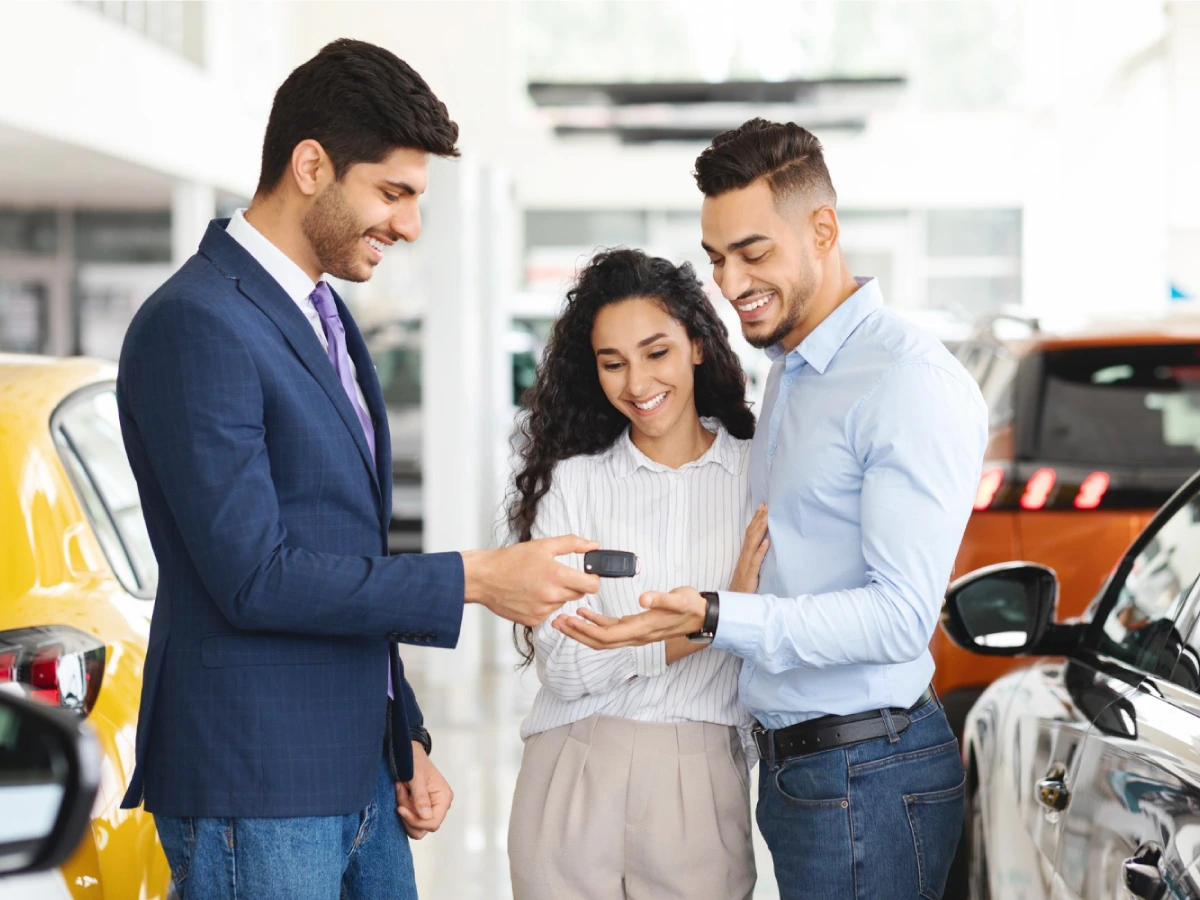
(612, 808)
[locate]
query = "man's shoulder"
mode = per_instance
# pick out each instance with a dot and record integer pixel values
(890, 343)
(191, 285)
(192, 300)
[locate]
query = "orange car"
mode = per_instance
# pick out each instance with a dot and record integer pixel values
(1091, 431)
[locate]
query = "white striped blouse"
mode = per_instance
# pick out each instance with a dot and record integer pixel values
(686, 526)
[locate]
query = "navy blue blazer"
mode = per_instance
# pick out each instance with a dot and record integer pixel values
(265, 685)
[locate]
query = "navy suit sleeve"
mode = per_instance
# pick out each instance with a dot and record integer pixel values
(192, 390)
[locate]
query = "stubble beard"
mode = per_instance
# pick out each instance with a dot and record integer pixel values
(794, 305)
(335, 232)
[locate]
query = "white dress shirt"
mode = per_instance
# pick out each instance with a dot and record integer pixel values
(686, 526)
(293, 279)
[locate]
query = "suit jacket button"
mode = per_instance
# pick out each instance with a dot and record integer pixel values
(393, 636)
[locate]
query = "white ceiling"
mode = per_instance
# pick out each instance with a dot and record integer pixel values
(37, 171)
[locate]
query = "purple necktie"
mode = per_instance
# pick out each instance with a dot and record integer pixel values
(335, 334)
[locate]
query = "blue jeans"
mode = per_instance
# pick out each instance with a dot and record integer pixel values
(878, 820)
(360, 856)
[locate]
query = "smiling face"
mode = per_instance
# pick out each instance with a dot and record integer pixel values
(372, 206)
(646, 363)
(764, 260)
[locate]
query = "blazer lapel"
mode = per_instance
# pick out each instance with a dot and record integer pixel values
(368, 380)
(264, 292)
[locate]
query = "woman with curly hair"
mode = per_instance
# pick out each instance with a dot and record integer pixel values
(634, 780)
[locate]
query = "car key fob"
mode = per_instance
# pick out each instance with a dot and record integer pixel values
(611, 563)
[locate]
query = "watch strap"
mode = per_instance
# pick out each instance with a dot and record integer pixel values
(420, 734)
(712, 609)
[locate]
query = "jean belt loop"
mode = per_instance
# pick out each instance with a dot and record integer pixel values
(892, 735)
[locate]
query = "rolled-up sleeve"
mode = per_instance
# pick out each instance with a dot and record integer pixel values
(919, 437)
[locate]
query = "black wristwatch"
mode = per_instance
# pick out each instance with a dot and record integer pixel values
(420, 734)
(712, 610)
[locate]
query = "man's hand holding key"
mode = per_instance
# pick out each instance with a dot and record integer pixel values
(525, 583)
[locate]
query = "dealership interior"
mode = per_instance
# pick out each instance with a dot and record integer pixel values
(1020, 177)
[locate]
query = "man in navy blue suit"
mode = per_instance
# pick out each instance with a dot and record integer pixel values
(279, 746)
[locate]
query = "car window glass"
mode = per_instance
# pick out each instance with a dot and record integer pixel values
(102, 525)
(976, 358)
(1121, 406)
(997, 388)
(1139, 628)
(92, 430)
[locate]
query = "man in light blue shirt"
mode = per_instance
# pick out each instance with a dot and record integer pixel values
(867, 455)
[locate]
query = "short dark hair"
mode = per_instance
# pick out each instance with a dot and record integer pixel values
(788, 156)
(359, 102)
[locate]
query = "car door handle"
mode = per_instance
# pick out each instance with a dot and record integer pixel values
(1143, 873)
(1052, 791)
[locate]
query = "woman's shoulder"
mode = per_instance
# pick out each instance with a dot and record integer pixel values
(735, 448)
(576, 470)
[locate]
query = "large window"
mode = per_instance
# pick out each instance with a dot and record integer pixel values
(24, 312)
(973, 260)
(88, 433)
(29, 231)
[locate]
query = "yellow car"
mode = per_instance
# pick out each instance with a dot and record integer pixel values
(77, 582)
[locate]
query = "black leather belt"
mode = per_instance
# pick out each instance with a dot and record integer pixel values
(829, 732)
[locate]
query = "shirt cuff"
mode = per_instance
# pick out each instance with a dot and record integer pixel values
(651, 659)
(740, 624)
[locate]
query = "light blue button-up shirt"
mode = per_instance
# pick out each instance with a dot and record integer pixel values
(868, 454)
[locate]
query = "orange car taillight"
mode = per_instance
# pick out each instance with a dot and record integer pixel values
(1038, 488)
(55, 664)
(989, 485)
(1092, 491)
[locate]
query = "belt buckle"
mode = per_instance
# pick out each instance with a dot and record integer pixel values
(764, 742)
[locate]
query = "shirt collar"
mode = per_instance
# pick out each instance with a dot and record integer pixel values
(293, 279)
(626, 458)
(819, 348)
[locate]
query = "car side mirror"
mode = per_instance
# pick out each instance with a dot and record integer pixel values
(49, 774)
(1002, 610)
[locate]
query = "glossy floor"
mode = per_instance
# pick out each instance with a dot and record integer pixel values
(473, 712)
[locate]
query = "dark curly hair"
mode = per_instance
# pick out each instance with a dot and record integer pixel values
(569, 414)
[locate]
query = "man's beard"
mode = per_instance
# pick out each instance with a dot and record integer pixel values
(335, 233)
(793, 308)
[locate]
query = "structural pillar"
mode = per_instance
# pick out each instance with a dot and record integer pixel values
(192, 207)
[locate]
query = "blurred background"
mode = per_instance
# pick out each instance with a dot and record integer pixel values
(1027, 157)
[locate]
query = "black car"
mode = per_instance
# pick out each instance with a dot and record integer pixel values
(1083, 770)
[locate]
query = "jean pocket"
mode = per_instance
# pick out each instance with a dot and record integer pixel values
(935, 819)
(814, 782)
(178, 838)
